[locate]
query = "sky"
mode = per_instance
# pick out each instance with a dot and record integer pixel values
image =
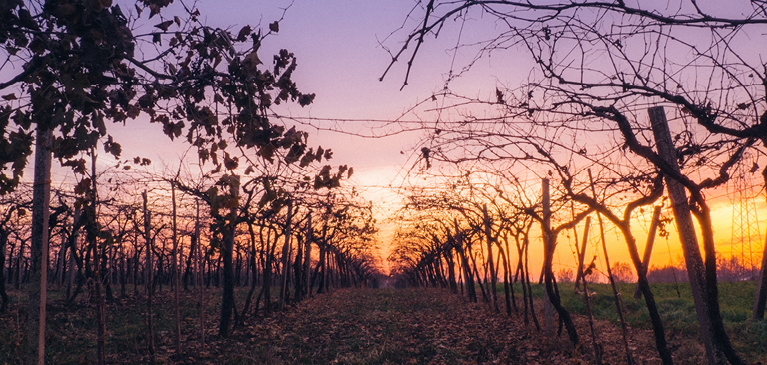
(341, 50)
(340, 58)
(341, 47)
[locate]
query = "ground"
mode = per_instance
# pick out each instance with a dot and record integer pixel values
(347, 326)
(414, 326)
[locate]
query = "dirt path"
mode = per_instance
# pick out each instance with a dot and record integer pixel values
(411, 326)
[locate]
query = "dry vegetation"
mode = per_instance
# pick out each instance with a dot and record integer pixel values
(356, 326)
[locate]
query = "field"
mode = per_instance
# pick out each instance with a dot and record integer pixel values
(678, 313)
(384, 326)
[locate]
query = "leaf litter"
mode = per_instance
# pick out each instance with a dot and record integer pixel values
(420, 326)
(345, 326)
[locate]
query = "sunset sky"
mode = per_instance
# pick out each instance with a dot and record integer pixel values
(338, 45)
(341, 50)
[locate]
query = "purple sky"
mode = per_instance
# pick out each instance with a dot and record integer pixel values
(340, 58)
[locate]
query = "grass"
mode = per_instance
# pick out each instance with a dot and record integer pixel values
(677, 310)
(71, 332)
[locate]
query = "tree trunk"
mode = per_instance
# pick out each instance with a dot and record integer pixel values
(468, 276)
(448, 253)
(3, 294)
(199, 263)
(60, 260)
(107, 261)
(136, 254)
(188, 277)
(493, 276)
(760, 300)
(648, 247)
(267, 277)
(526, 281)
(321, 267)
(307, 255)
(35, 344)
(597, 346)
(101, 313)
(149, 278)
(581, 256)
(479, 278)
(17, 272)
(98, 265)
(10, 264)
(286, 257)
(175, 276)
(237, 266)
(660, 345)
(761, 289)
(123, 273)
(509, 278)
(227, 301)
(298, 270)
(548, 311)
(73, 269)
(505, 280)
(253, 282)
(219, 272)
(549, 245)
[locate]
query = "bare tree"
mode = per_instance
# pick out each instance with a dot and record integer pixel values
(600, 65)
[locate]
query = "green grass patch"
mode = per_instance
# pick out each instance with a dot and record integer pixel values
(677, 310)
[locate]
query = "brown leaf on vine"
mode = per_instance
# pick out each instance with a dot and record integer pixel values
(242, 36)
(164, 25)
(229, 162)
(251, 62)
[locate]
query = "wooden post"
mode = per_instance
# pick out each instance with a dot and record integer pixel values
(227, 272)
(548, 308)
(308, 255)
(488, 236)
(99, 275)
(585, 238)
(149, 277)
(760, 300)
(123, 279)
(38, 265)
(60, 260)
(323, 261)
(693, 259)
(72, 251)
(757, 314)
(581, 250)
(286, 257)
(199, 267)
(648, 248)
(174, 264)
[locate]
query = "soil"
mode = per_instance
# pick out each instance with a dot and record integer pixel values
(421, 326)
